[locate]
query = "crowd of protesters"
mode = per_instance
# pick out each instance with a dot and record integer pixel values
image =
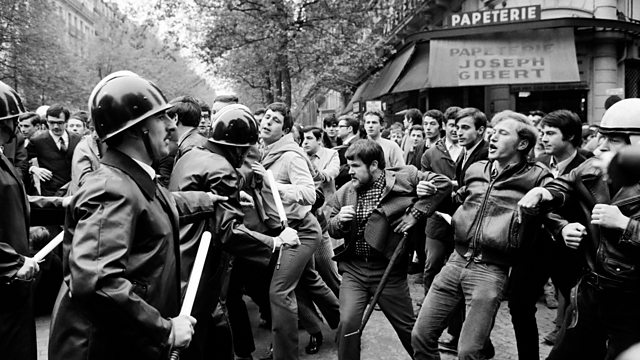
(310, 222)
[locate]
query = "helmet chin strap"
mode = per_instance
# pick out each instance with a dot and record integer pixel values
(146, 140)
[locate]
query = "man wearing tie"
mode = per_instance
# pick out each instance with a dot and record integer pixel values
(471, 124)
(54, 151)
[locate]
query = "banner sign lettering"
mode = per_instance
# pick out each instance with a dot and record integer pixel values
(496, 16)
(540, 56)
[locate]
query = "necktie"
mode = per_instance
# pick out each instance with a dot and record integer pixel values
(62, 147)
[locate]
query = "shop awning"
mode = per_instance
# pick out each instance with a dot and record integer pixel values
(382, 82)
(535, 56)
(357, 96)
(415, 76)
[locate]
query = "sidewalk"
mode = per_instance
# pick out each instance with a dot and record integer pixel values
(379, 340)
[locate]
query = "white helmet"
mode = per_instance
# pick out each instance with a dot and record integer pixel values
(623, 118)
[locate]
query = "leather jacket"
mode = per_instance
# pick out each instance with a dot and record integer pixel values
(121, 264)
(399, 197)
(613, 256)
(486, 225)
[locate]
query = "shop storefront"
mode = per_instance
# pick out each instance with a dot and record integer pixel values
(493, 61)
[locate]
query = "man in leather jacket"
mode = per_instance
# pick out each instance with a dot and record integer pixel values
(605, 313)
(121, 293)
(488, 234)
(213, 167)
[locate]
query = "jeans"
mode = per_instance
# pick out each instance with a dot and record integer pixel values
(607, 325)
(284, 306)
(481, 286)
(359, 281)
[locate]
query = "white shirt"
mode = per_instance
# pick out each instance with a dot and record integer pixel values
(56, 139)
(147, 168)
(558, 167)
(453, 148)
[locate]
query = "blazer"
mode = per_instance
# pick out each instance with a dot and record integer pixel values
(398, 197)
(481, 152)
(44, 148)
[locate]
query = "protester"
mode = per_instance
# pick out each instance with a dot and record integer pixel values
(292, 172)
(54, 151)
(488, 235)
(371, 213)
(604, 314)
(373, 123)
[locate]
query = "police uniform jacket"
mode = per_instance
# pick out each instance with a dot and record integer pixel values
(121, 264)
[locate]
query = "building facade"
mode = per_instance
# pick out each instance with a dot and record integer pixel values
(521, 55)
(84, 20)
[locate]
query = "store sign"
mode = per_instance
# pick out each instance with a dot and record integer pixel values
(497, 16)
(538, 56)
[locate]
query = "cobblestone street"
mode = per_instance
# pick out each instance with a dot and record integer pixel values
(379, 340)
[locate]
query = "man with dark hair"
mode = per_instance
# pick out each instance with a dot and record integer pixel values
(411, 117)
(373, 123)
(488, 235)
(53, 150)
(204, 126)
(417, 146)
(327, 163)
(187, 114)
(561, 137)
(433, 123)
(293, 173)
(78, 122)
(471, 124)
(330, 138)
(348, 132)
(604, 316)
(371, 213)
(29, 124)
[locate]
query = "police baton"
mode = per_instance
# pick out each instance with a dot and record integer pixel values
(40, 255)
(383, 282)
(194, 282)
(279, 207)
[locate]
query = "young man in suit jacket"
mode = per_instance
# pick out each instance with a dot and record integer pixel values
(471, 124)
(54, 151)
(561, 139)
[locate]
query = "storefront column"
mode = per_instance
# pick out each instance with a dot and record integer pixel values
(497, 98)
(605, 76)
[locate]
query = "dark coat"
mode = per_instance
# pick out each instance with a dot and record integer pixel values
(614, 255)
(44, 148)
(438, 160)
(206, 168)
(121, 264)
(398, 196)
(480, 153)
(17, 325)
(192, 139)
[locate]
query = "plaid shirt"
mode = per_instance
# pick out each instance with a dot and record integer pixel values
(368, 200)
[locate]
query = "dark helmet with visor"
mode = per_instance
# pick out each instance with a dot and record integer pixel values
(234, 125)
(122, 100)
